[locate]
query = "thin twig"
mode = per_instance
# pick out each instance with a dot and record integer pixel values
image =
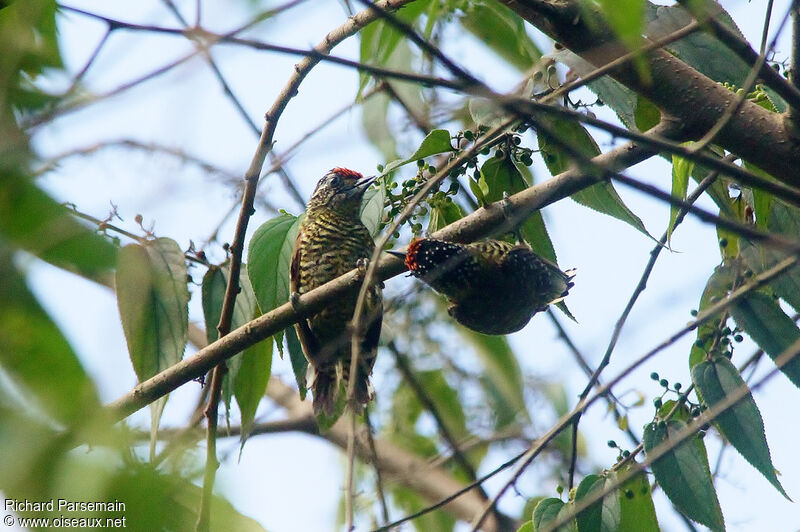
(376, 467)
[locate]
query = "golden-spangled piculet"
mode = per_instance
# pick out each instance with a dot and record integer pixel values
(493, 287)
(331, 241)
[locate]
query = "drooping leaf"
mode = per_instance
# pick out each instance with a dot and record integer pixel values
(437, 141)
(601, 197)
(33, 221)
(603, 515)
(503, 32)
(681, 170)
(549, 511)
(760, 316)
(248, 372)
(269, 264)
(700, 50)
(717, 287)
(683, 473)
(646, 114)
(502, 377)
(35, 355)
(783, 219)
(298, 360)
(250, 381)
(742, 426)
(410, 501)
(626, 18)
(153, 303)
(372, 208)
(637, 512)
(443, 213)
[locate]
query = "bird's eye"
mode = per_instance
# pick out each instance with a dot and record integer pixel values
(336, 181)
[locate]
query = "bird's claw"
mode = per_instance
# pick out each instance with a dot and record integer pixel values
(361, 265)
(505, 204)
(294, 299)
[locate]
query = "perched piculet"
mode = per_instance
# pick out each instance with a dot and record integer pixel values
(330, 242)
(493, 287)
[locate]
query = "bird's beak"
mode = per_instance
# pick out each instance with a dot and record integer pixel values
(398, 254)
(364, 183)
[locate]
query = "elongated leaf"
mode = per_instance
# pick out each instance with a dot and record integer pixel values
(269, 262)
(601, 197)
(443, 213)
(681, 170)
(741, 424)
(371, 209)
(603, 515)
(717, 287)
(33, 221)
(153, 303)
(298, 360)
(626, 18)
(248, 372)
(502, 376)
(437, 141)
(250, 381)
(548, 511)
(783, 219)
(760, 316)
(35, 354)
(637, 512)
(446, 401)
(503, 32)
(684, 475)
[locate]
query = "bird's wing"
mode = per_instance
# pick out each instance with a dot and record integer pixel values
(308, 340)
(373, 332)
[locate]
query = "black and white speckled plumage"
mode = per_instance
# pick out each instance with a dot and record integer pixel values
(494, 287)
(330, 241)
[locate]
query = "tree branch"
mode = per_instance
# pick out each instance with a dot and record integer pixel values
(755, 134)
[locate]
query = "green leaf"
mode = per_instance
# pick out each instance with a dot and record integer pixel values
(437, 141)
(298, 360)
(700, 50)
(601, 197)
(760, 316)
(646, 115)
(409, 501)
(626, 18)
(548, 511)
(248, 372)
(30, 219)
(527, 527)
(249, 380)
(717, 287)
(783, 219)
(445, 400)
(269, 255)
(372, 209)
(502, 377)
(153, 304)
(443, 213)
(35, 355)
(741, 424)
(681, 170)
(503, 32)
(637, 512)
(375, 121)
(683, 473)
(603, 515)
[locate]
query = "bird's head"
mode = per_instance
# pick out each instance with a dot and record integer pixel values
(340, 190)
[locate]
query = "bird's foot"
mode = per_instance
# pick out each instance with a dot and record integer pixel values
(505, 204)
(294, 299)
(361, 265)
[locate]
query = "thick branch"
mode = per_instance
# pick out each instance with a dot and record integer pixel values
(764, 138)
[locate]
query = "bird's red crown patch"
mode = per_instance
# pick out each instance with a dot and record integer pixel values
(411, 254)
(347, 173)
